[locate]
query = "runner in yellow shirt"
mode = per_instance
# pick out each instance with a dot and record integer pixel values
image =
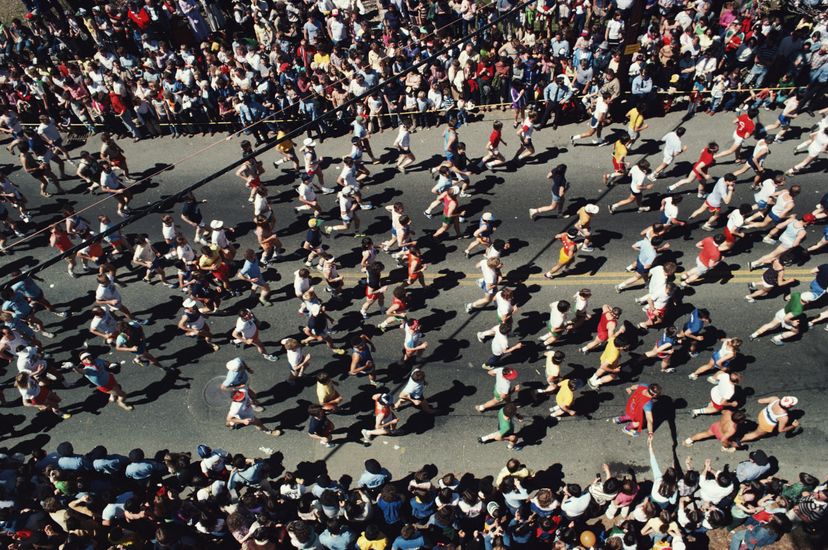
(610, 358)
(636, 123)
(565, 398)
(619, 162)
(286, 148)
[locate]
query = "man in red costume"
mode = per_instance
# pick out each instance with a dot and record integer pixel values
(639, 409)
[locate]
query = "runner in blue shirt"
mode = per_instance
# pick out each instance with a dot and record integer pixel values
(692, 330)
(96, 370)
(252, 273)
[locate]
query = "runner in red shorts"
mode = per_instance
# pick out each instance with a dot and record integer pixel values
(34, 394)
(724, 430)
(701, 169)
(59, 239)
(97, 371)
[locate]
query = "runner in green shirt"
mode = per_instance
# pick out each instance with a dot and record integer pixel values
(505, 427)
(789, 318)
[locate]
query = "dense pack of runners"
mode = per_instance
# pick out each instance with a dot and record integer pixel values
(102, 72)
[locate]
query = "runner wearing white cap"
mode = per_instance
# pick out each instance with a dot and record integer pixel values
(96, 370)
(241, 413)
(194, 323)
(238, 377)
(774, 418)
(483, 234)
(312, 168)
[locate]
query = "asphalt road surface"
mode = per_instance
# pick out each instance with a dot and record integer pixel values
(181, 408)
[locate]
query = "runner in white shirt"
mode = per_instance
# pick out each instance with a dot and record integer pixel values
(672, 148)
(103, 324)
(506, 309)
(638, 173)
(48, 130)
(558, 323)
(298, 360)
(817, 146)
(720, 195)
(241, 413)
(307, 196)
(403, 144)
(720, 394)
(246, 333)
(490, 268)
(524, 133)
(596, 124)
(670, 211)
(735, 222)
(301, 282)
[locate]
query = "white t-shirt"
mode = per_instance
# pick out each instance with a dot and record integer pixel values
(502, 385)
(247, 327)
(241, 409)
(711, 491)
(49, 131)
(504, 307)
(658, 279)
(660, 298)
(601, 108)
(412, 387)
(672, 144)
(615, 28)
(818, 145)
(500, 343)
(735, 221)
(637, 176)
(295, 356)
(717, 195)
(168, 231)
(110, 180)
(300, 284)
(105, 324)
(723, 390)
(306, 192)
(670, 210)
(107, 292)
(347, 175)
(218, 238)
(489, 274)
(556, 318)
(403, 138)
(767, 189)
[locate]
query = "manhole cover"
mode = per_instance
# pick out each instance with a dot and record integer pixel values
(214, 397)
(210, 405)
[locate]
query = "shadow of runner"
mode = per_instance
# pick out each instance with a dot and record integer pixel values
(172, 380)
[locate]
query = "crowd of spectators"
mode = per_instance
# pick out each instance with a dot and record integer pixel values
(215, 499)
(151, 67)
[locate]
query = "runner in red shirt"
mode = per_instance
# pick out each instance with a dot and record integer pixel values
(493, 156)
(608, 327)
(744, 129)
(700, 171)
(59, 239)
(707, 259)
(567, 253)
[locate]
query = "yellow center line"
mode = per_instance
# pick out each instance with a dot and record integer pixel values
(573, 280)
